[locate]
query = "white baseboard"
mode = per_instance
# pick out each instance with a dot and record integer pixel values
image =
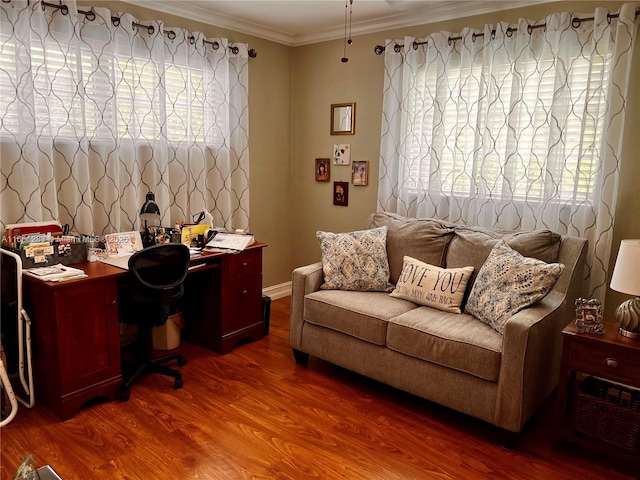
(278, 291)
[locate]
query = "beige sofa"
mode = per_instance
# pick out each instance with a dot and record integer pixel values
(451, 359)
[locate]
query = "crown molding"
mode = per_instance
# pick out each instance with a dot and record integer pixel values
(423, 16)
(419, 16)
(218, 19)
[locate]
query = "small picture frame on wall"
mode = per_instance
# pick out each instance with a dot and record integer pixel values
(342, 154)
(323, 169)
(341, 194)
(360, 172)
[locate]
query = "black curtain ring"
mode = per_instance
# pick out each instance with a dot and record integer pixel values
(509, 32)
(575, 23)
(473, 37)
(234, 50)
(215, 45)
(529, 29)
(171, 35)
(115, 21)
(192, 39)
(89, 15)
(609, 17)
(449, 41)
(397, 48)
(150, 29)
(415, 45)
(493, 34)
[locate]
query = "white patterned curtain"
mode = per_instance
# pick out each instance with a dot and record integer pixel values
(512, 127)
(99, 108)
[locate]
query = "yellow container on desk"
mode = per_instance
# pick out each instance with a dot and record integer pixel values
(167, 336)
(190, 233)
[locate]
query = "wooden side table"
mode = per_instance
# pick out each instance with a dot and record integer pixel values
(610, 357)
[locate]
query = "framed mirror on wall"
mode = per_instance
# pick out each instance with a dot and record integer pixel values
(343, 119)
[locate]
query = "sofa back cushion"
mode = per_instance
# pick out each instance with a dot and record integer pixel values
(424, 239)
(471, 246)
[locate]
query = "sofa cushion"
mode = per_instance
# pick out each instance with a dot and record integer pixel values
(455, 341)
(355, 260)
(507, 283)
(432, 286)
(422, 238)
(472, 245)
(363, 315)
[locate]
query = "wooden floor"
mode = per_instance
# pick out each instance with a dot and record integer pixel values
(254, 414)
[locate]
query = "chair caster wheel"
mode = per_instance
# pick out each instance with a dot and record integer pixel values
(182, 362)
(124, 394)
(178, 383)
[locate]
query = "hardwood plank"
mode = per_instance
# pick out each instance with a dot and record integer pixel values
(254, 413)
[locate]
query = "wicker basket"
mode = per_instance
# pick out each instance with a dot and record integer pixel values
(609, 412)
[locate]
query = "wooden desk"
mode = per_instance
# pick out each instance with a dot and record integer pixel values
(75, 332)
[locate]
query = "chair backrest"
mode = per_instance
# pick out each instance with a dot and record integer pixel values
(160, 267)
(157, 276)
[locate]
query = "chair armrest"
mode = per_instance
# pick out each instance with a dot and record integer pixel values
(531, 352)
(304, 280)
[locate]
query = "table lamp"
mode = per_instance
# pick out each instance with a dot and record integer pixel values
(150, 212)
(626, 279)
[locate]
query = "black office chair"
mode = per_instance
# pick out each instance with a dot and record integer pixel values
(157, 276)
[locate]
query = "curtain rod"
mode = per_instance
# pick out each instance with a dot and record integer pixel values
(575, 23)
(91, 16)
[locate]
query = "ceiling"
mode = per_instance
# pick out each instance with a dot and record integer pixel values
(300, 22)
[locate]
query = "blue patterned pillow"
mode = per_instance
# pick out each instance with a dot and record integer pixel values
(355, 260)
(507, 283)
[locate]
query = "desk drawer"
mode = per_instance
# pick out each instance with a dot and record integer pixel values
(599, 359)
(242, 300)
(244, 264)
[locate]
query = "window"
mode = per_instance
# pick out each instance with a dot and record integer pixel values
(515, 131)
(78, 95)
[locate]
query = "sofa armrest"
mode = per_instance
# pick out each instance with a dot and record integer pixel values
(304, 280)
(532, 342)
(531, 352)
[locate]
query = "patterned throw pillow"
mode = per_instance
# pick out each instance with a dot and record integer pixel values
(432, 286)
(507, 283)
(355, 260)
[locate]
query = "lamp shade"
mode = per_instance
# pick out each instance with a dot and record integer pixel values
(626, 273)
(150, 206)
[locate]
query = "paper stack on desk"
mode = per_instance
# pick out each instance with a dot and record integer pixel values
(55, 273)
(231, 241)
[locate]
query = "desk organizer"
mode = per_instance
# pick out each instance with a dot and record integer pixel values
(609, 412)
(66, 254)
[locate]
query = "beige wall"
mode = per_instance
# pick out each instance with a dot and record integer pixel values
(319, 79)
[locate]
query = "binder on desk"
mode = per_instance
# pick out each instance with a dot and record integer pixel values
(231, 241)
